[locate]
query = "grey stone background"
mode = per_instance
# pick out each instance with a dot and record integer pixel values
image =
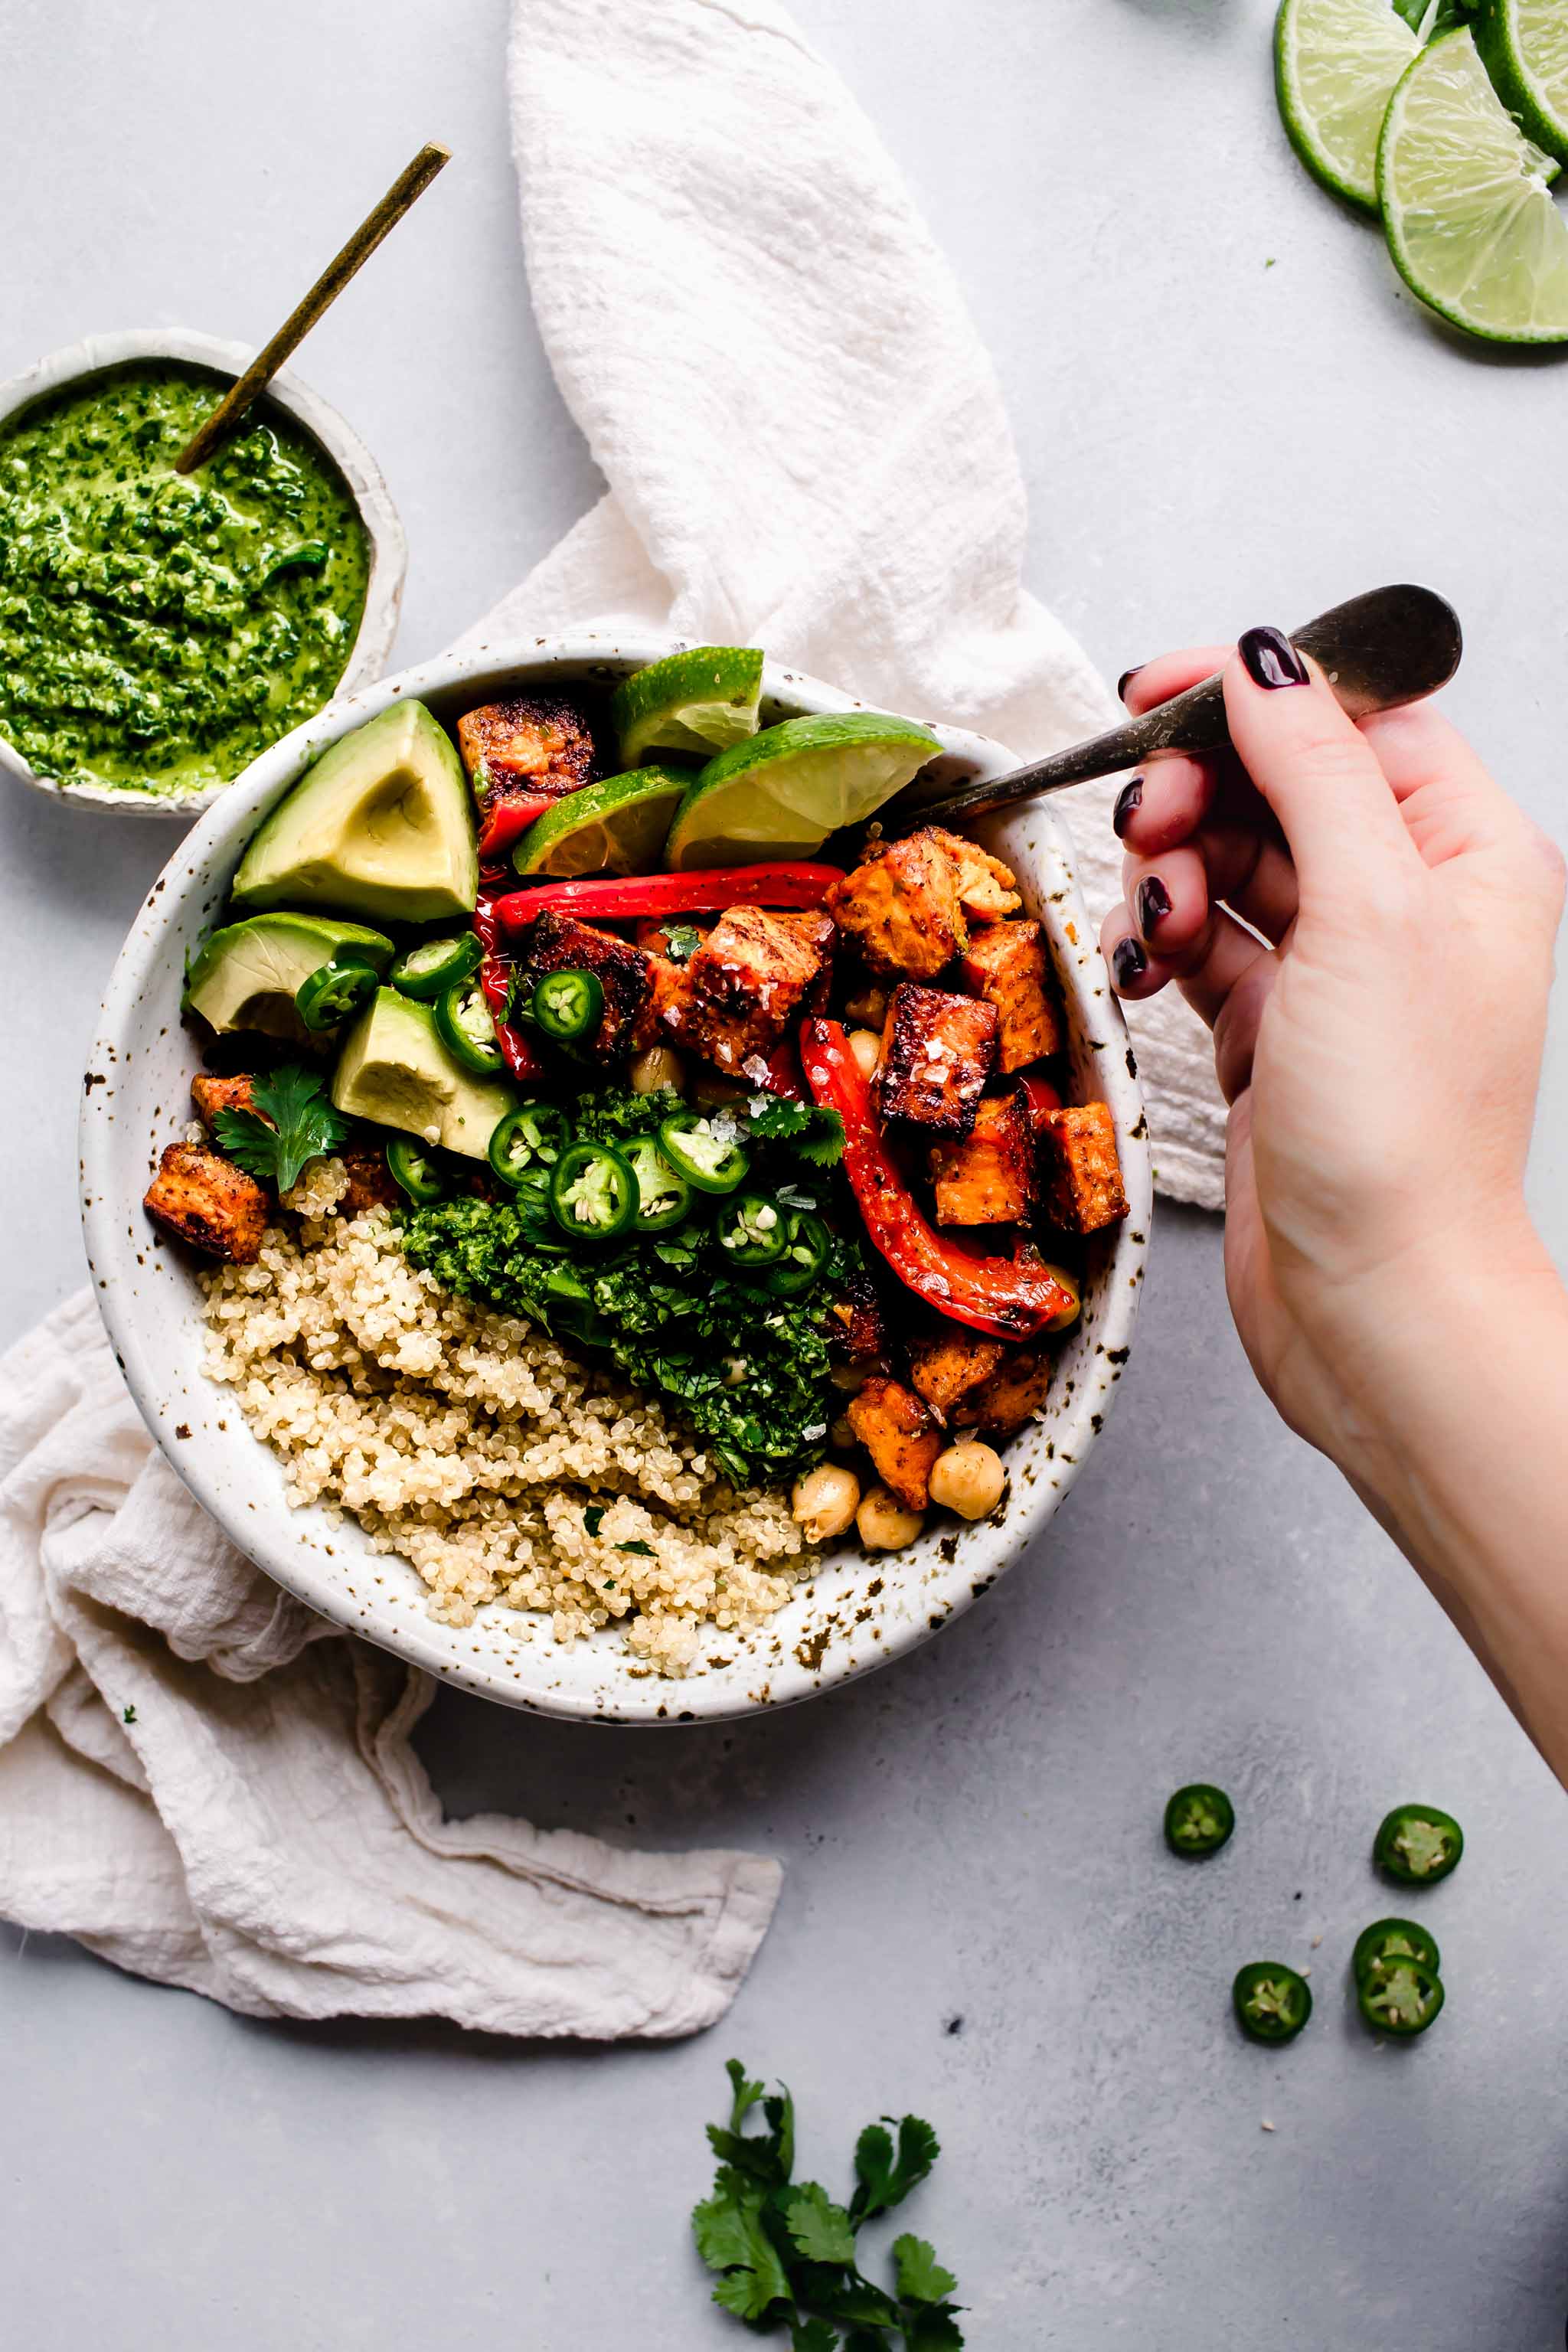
(978, 1920)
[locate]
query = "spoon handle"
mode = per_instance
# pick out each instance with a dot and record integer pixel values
(1390, 647)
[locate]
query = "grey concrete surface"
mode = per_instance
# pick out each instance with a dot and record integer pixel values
(978, 1921)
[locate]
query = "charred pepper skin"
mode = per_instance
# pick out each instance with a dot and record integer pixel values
(1008, 1298)
(791, 883)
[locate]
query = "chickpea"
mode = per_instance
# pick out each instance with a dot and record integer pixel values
(968, 1478)
(884, 1523)
(851, 1378)
(823, 1502)
(867, 1048)
(661, 1066)
(841, 1435)
(1070, 1313)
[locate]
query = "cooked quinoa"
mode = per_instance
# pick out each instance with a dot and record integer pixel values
(470, 1444)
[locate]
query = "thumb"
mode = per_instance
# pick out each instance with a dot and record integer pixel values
(1313, 766)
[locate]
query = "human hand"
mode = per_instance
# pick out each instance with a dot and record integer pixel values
(1379, 1045)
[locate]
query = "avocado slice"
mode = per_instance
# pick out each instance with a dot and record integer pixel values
(394, 1069)
(380, 826)
(245, 976)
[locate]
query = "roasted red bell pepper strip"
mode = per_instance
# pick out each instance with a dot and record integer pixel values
(1009, 1299)
(495, 979)
(622, 901)
(783, 1073)
(507, 818)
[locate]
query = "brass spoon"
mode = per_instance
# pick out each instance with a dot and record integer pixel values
(1391, 646)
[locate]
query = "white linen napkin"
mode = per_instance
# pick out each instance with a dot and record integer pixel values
(805, 449)
(206, 1783)
(803, 440)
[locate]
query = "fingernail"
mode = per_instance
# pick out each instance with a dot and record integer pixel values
(1271, 659)
(1153, 904)
(1125, 680)
(1128, 798)
(1128, 962)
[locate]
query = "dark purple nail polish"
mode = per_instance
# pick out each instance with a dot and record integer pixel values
(1125, 680)
(1128, 798)
(1271, 659)
(1128, 962)
(1153, 904)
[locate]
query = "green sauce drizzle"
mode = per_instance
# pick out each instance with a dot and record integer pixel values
(157, 630)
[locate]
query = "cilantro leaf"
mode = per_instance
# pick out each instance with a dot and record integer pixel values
(592, 1520)
(291, 1121)
(724, 2225)
(815, 2336)
(819, 2229)
(747, 2092)
(922, 2278)
(933, 2328)
(812, 1129)
(682, 941)
(886, 2180)
(637, 1545)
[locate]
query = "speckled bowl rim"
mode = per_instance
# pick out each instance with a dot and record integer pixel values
(388, 547)
(854, 1613)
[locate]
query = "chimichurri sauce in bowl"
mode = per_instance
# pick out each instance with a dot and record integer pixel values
(159, 630)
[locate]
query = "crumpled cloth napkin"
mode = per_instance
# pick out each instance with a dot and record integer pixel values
(805, 449)
(803, 440)
(206, 1782)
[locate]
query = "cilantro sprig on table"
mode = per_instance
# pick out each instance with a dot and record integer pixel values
(788, 2255)
(291, 1121)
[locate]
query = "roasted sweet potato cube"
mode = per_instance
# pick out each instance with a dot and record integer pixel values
(1081, 1171)
(558, 942)
(205, 1199)
(212, 1095)
(744, 984)
(899, 909)
(986, 888)
(1011, 1395)
(947, 1365)
(900, 1435)
(527, 741)
(987, 1178)
(864, 1334)
(1005, 966)
(938, 1051)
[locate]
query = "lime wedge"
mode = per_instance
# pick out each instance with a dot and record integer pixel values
(613, 827)
(1525, 45)
(700, 701)
(784, 791)
(1465, 209)
(1335, 66)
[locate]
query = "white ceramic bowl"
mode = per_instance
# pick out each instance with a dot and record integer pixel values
(388, 548)
(854, 1613)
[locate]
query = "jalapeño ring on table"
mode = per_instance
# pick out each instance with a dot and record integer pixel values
(1403, 2000)
(1199, 1819)
(1272, 2001)
(1387, 1942)
(1418, 1844)
(334, 991)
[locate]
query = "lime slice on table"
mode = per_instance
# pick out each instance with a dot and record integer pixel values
(700, 701)
(613, 827)
(1335, 66)
(784, 791)
(1525, 46)
(1465, 209)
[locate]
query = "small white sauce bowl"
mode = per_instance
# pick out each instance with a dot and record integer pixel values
(341, 444)
(855, 1612)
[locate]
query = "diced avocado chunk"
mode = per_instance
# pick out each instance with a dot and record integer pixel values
(380, 826)
(246, 975)
(394, 1069)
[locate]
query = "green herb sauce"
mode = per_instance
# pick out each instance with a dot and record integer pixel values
(158, 630)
